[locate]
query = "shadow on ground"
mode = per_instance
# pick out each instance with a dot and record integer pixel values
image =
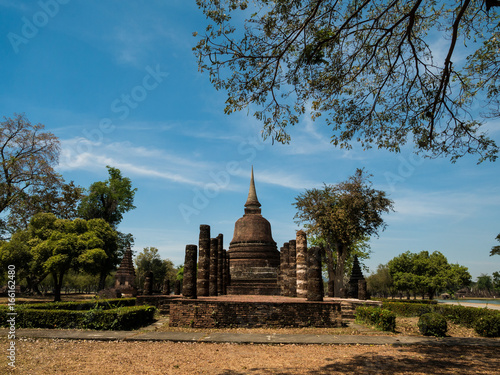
(409, 360)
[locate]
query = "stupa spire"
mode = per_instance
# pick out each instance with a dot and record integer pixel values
(252, 201)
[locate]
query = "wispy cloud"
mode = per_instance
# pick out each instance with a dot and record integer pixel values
(14, 4)
(448, 205)
(81, 154)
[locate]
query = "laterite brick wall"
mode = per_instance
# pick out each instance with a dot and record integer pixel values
(208, 314)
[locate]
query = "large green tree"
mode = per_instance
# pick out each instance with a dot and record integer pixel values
(27, 159)
(149, 260)
(109, 199)
(54, 246)
(380, 72)
(484, 283)
(380, 282)
(57, 197)
(427, 273)
(343, 214)
(360, 249)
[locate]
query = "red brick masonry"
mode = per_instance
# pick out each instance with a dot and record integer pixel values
(251, 311)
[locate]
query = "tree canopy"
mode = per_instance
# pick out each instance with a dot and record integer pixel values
(343, 214)
(381, 282)
(427, 273)
(54, 246)
(27, 157)
(495, 249)
(55, 197)
(380, 72)
(149, 260)
(109, 199)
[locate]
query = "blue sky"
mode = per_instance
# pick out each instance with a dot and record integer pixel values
(118, 83)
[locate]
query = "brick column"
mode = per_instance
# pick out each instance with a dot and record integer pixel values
(314, 279)
(214, 245)
(148, 284)
(166, 287)
(202, 284)
(189, 283)
(362, 290)
(286, 266)
(301, 248)
(225, 272)
(220, 264)
(292, 269)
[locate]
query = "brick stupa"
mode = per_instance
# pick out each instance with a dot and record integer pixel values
(125, 276)
(254, 257)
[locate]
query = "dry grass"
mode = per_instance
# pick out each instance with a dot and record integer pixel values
(105, 358)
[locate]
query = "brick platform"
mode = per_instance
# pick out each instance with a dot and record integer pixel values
(213, 314)
(253, 311)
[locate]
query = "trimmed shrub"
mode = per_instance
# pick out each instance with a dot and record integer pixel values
(87, 305)
(488, 326)
(121, 318)
(420, 301)
(380, 318)
(433, 324)
(408, 309)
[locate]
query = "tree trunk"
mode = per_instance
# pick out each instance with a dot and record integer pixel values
(58, 286)
(339, 271)
(102, 281)
(33, 285)
(331, 271)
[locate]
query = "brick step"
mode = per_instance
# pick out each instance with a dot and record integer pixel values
(348, 312)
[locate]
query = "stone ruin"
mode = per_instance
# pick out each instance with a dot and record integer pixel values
(254, 266)
(254, 258)
(125, 276)
(357, 283)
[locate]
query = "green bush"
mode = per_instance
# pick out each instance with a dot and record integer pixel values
(86, 305)
(419, 301)
(481, 319)
(465, 316)
(381, 318)
(433, 324)
(120, 318)
(408, 309)
(488, 326)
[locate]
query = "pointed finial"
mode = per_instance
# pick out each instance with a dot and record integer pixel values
(252, 201)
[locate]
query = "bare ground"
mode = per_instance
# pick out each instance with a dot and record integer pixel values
(98, 357)
(47, 356)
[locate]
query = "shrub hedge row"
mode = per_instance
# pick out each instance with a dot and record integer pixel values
(381, 318)
(486, 322)
(83, 305)
(105, 315)
(419, 301)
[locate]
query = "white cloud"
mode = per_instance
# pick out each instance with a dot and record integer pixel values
(81, 154)
(447, 205)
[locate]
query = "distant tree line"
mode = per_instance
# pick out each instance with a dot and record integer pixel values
(420, 274)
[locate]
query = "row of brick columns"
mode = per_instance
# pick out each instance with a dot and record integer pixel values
(299, 273)
(212, 276)
(300, 270)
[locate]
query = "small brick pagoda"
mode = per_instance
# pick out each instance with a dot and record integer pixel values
(125, 276)
(254, 257)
